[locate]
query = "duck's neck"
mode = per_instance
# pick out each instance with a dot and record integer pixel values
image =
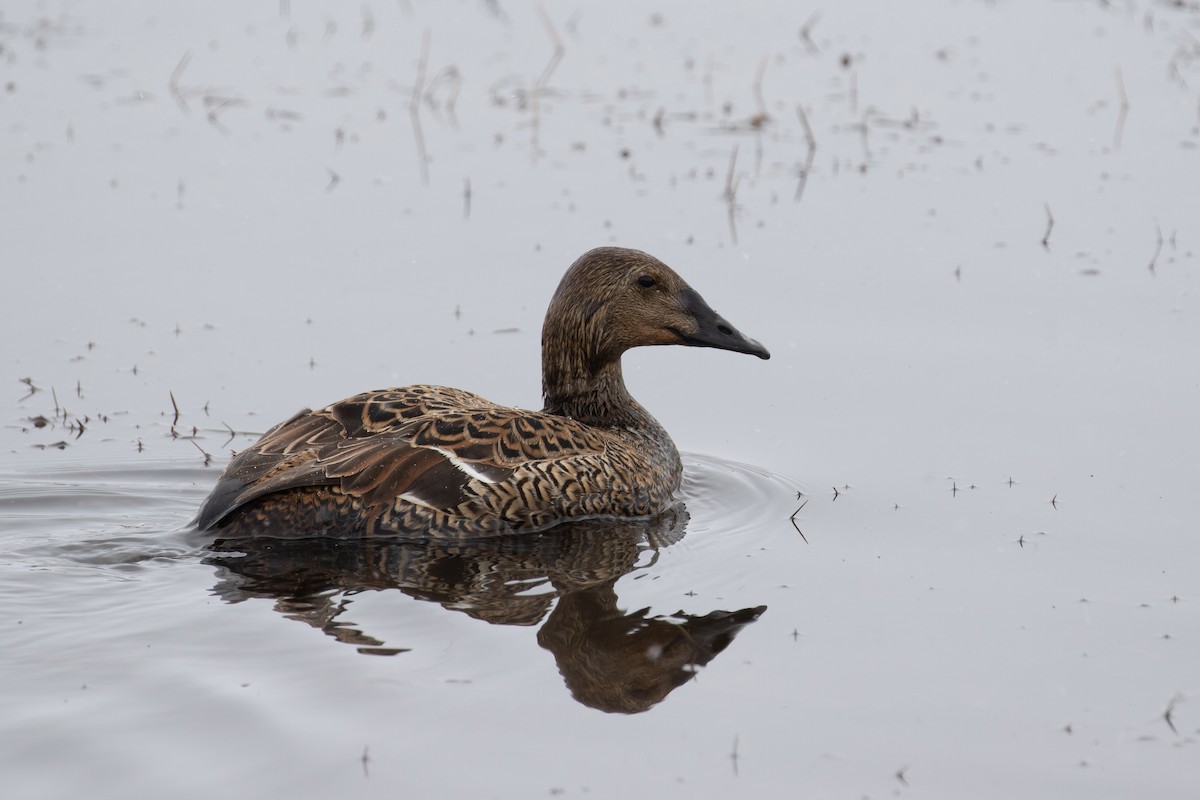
(592, 396)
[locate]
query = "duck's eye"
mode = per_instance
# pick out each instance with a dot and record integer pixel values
(646, 281)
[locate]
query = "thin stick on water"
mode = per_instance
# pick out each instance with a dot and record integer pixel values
(34, 390)
(806, 33)
(811, 141)
(761, 117)
(368, 23)
(730, 193)
(217, 105)
(173, 82)
(853, 90)
(795, 524)
(414, 109)
(1170, 712)
(207, 455)
(1157, 249)
(758, 93)
(559, 49)
(1049, 227)
(1122, 113)
(540, 85)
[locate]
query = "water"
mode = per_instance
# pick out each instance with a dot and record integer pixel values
(943, 544)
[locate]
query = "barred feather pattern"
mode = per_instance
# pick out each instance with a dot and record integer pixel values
(436, 462)
(439, 462)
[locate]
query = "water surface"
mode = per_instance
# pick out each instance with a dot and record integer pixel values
(943, 544)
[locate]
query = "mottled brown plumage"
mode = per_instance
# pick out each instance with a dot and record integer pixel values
(431, 461)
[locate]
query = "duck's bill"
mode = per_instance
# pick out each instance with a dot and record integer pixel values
(712, 330)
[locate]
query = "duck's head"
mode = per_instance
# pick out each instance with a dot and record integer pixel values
(612, 299)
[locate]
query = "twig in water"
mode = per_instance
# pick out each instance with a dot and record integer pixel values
(32, 389)
(864, 129)
(450, 78)
(793, 521)
(173, 82)
(1157, 249)
(207, 456)
(852, 96)
(1170, 711)
(414, 109)
(540, 84)
(216, 106)
(175, 406)
(1123, 113)
(806, 33)
(1049, 227)
(758, 95)
(733, 755)
(466, 198)
(811, 141)
(1184, 54)
(284, 114)
(368, 23)
(760, 118)
(559, 49)
(334, 180)
(730, 194)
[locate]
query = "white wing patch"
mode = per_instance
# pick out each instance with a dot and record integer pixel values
(409, 497)
(463, 466)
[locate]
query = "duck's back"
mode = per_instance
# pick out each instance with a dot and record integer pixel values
(438, 462)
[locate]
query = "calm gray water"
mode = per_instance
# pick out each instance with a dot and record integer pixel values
(967, 232)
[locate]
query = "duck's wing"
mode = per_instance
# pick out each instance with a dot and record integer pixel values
(387, 410)
(425, 445)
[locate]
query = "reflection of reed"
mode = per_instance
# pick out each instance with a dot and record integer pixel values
(609, 660)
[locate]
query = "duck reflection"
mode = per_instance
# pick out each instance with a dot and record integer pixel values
(610, 660)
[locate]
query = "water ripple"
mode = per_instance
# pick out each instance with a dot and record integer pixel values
(731, 497)
(99, 516)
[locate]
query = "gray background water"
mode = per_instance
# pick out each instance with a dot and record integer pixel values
(224, 204)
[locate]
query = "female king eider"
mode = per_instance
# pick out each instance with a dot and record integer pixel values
(435, 462)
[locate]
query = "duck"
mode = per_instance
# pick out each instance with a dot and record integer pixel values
(435, 462)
